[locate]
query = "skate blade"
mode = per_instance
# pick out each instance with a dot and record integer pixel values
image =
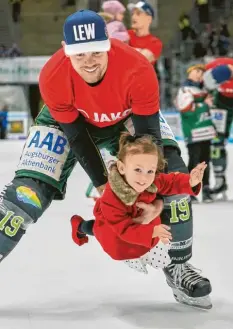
(220, 197)
(203, 303)
(208, 201)
(223, 200)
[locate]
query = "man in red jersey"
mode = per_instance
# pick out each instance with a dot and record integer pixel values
(94, 89)
(142, 14)
(219, 79)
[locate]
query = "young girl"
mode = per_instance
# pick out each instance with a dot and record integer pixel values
(113, 14)
(119, 225)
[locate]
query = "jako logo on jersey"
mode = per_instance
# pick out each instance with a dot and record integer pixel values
(27, 195)
(53, 143)
(103, 117)
(84, 32)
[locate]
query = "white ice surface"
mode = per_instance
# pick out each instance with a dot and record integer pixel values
(49, 282)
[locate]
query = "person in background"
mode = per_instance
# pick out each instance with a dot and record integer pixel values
(224, 39)
(203, 12)
(188, 37)
(3, 122)
(113, 14)
(193, 103)
(218, 79)
(185, 27)
(213, 42)
(3, 50)
(14, 51)
(199, 51)
(142, 14)
(16, 10)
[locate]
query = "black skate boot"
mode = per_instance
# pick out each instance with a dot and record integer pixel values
(188, 286)
(218, 192)
(206, 195)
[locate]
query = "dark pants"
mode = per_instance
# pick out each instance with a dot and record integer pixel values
(16, 11)
(174, 160)
(177, 212)
(203, 13)
(199, 152)
(2, 132)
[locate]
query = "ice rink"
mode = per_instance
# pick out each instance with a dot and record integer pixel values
(49, 282)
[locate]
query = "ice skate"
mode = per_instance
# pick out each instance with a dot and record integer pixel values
(206, 195)
(218, 192)
(188, 286)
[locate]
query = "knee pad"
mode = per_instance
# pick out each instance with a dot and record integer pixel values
(177, 213)
(219, 157)
(22, 202)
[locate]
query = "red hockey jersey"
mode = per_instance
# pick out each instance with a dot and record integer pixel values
(129, 85)
(149, 42)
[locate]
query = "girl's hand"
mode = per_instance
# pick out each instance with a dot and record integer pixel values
(162, 232)
(150, 211)
(196, 175)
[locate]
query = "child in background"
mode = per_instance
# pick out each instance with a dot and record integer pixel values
(113, 14)
(194, 104)
(119, 225)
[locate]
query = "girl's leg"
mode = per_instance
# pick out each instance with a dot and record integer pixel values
(158, 256)
(80, 229)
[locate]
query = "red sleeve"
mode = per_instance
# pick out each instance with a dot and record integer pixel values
(115, 214)
(175, 183)
(155, 47)
(130, 32)
(56, 90)
(219, 61)
(145, 91)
